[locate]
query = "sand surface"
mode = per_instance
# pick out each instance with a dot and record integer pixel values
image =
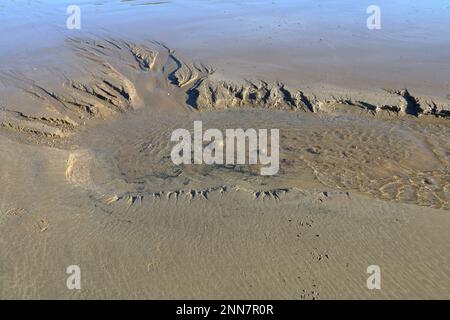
(86, 177)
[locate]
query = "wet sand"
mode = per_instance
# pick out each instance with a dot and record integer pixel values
(87, 179)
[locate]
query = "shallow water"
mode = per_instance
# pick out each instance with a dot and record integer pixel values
(401, 161)
(304, 42)
(144, 92)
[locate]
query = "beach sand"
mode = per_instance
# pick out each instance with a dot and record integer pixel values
(87, 179)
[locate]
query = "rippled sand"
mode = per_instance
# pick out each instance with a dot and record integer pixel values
(87, 179)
